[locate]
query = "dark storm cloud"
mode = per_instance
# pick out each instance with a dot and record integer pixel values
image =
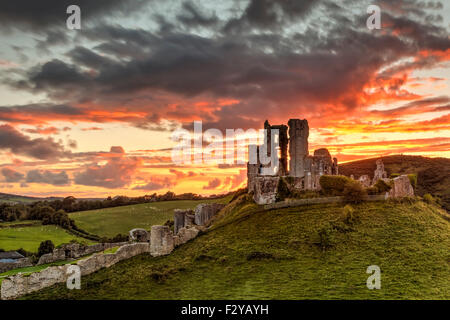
(267, 14)
(14, 141)
(267, 71)
(48, 177)
(36, 16)
(193, 17)
(11, 175)
(37, 113)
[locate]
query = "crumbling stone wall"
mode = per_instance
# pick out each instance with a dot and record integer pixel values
(204, 212)
(184, 235)
(75, 251)
(19, 285)
(401, 187)
(380, 173)
(139, 235)
(266, 189)
(162, 241)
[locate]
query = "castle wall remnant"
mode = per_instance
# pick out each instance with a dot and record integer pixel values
(204, 212)
(19, 285)
(75, 251)
(298, 146)
(265, 189)
(380, 173)
(401, 187)
(139, 235)
(162, 242)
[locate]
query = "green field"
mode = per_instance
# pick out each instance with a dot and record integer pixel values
(278, 254)
(29, 238)
(112, 221)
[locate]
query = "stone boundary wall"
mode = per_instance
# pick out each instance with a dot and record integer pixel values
(19, 285)
(162, 242)
(304, 202)
(74, 251)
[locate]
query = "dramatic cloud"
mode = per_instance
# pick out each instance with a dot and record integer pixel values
(212, 184)
(230, 64)
(156, 184)
(116, 173)
(11, 175)
(48, 177)
(17, 143)
(31, 15)
(182, 175)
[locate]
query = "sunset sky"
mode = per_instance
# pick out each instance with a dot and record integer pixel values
(91, 112)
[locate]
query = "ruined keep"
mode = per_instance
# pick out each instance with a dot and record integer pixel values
(304, 169)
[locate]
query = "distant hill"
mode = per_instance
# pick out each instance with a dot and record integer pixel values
(14, 198)
(433, 174)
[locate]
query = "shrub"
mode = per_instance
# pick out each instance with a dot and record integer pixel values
(169, 223)
(45, 247)
(354, 192)
(428, 198)
(413, 180)
(24, 252)
(372, 191)
(349, 217)
(333, 185)
(117, 238)
(282, 190)
(259, 256)
(325, 237)
(382, 186)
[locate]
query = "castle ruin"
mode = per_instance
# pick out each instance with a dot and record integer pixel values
(304, 169)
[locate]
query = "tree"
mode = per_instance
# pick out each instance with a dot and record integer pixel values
(354, 192)
(45, 247)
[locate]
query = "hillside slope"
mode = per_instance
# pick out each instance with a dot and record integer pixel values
(433, 174)
(109, 222)
(255, 254)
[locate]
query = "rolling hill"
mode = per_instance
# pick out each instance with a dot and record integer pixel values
(109, 222)
(311, 252)
(433, 174)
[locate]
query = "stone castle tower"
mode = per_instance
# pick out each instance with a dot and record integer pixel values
(305, 170)
(298, 146)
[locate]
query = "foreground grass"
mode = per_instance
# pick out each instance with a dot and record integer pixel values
(29, 238)
(255, 254)
(112, 221)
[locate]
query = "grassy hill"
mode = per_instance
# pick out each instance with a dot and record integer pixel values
(313, 252)
(112, 221)
(433, 174)
(29, 234)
